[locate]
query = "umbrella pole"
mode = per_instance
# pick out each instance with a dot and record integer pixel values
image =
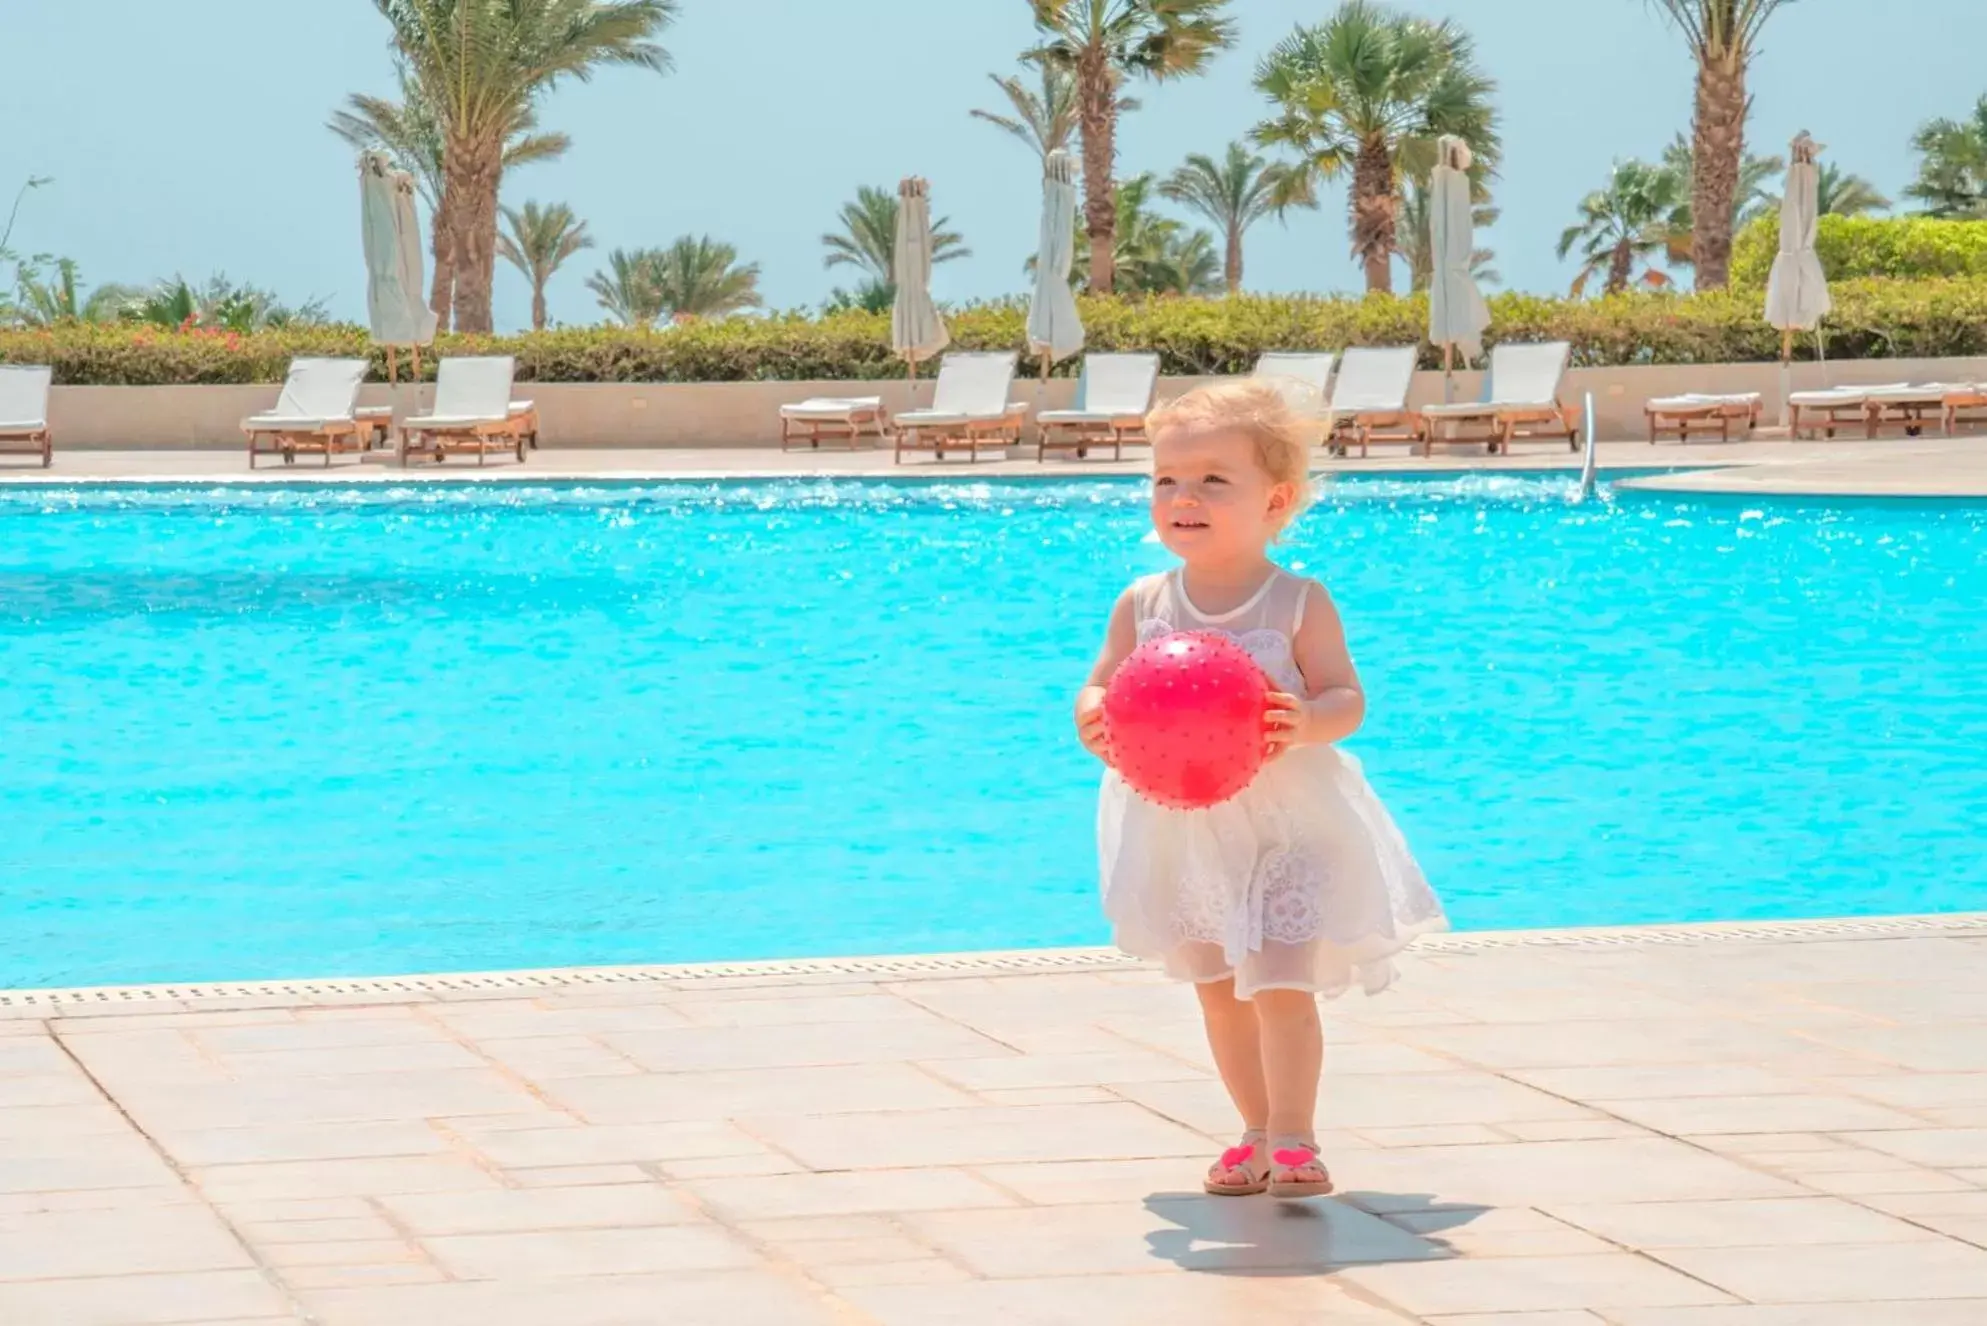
(1786, 373)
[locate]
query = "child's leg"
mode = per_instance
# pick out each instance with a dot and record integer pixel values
(1293, 1056)
(1237, 1042)
(1293, 1050)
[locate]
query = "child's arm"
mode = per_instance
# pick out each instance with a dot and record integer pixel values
(1120, 638)
(1335, 705)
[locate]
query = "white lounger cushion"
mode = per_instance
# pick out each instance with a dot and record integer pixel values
(1374, 380)
(1522, 377)
(832, 407)
(1930, 391)
(469, 391)
(1837, 395)
(316, 392)
(971, 385)
(1303, 378)
(930, 418)
(1112, 386)
(24, 397)
(1693, 400)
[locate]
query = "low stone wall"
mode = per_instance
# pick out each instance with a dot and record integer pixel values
(746, 414)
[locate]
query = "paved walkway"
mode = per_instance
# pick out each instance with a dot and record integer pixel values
(1917, 466)
(1647, 1130)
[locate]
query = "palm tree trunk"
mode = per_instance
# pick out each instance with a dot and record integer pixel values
(1232, 268)
(1097, 111)
(475, 173)
(1619, 267)
(441, 286)
(538, 306)
(1373, 206)
(1718, 142)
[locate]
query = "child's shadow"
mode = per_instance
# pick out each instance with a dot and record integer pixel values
(1262, 1236)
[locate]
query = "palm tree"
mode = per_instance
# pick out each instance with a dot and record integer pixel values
(1369, 91)
(1952, 166)
(480, 64)
(1101, 43)
(538, 241)
(869, 237)
(1234, 194)
(220, 303)
(408, 130)
(1415, 242)
(1838, 193)
(1629, 220)
(1753, 197)
(1723, 35)
(695, 277)
(698, 277)
(626, 288)
(1044, 120)
(1156, 255)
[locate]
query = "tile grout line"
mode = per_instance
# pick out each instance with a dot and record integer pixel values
(254, 1254)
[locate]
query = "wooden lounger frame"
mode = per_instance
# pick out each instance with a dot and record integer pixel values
(334, 438)
(1834, 415)
(968, 435)
(1964, 407)
(1079, 435)
(1911, 413)
(512, 434)
(1497, 428)
(30, 442)
(1701, 417)
(1363, 428)
(865, 421)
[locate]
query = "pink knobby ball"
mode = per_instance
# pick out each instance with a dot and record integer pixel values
(1184, 719)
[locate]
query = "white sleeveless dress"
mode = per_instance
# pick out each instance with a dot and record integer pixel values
(1300, 882)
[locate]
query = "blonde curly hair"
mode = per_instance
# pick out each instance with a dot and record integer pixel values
(1259, 411)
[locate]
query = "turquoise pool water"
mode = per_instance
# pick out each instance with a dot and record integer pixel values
(290, 731)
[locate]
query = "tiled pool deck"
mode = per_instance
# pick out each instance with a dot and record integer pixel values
(1785, 1126)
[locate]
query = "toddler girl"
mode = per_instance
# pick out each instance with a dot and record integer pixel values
(1301, 885)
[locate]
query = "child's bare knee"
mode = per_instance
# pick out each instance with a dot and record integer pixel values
(1286, 1006)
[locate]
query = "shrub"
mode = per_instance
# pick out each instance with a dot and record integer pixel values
(1851, 247)
(1872, 319)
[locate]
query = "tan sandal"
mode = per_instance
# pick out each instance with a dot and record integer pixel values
(1248, 1159)
(1290, 1158)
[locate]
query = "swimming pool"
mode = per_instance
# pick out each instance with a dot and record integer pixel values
(255, 731)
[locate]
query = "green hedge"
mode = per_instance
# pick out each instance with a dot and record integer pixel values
(1904, 248)
(1872, 319)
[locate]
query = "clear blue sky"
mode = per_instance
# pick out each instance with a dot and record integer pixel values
(187, 136)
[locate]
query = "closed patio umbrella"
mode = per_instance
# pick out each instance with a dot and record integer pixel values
(1797, 289)
(1457, 314)
(1055, 330)
(396, 307)
(916, 330)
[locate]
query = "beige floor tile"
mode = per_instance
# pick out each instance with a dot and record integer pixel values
(1548, 1173)
(1940, 1148)
(383, 1027)
(170, 1193)
(1607, 1044)
(1969, 1312)
(1952, 1048)
(278, 1233)
(684, 1299)
(609, 1207)
(303, 1180)
(73, 1244)
(1440, 1134)
(343, 1252)
(482, 1023)
(541, 1057)
(1049, 1096)
(53, 1088)
(661, 1097)
(1076, 1182)
(200, 1298)
(1575, 1317)
(992, 1135)
(1571, 1130)
(1530, 1284)
(799, 1010)
(869, 1250)
(1689, 1116)
(555, 1254)
(1514, 1231)
(115, 1161)
(703, 1049)
(1655, 1081)
(863, 1193)
(1916, 1090)
(1122, 1300)
(367, 1275)
(344, 1141)
(514, 1148)
(1063, 1070)
(345, 1061)
(330, 1100)
(1740, 1224)
(930, 1271)
(81, 1118)
(1198, 1233)
(1903, 1179)
(1922, 1269)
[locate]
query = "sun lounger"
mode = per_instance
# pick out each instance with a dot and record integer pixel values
(1303, 378)
(821, 419)
(379, 418)
(1369, 401)
(1702, 412)
(969, 408)
(1965, 405)
(1822, 412)
(316, 412)
(1113, 396)
(24, 411)
(472, 413)
(1910, 408)
(1521, 400)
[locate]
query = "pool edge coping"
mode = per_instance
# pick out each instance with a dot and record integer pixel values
(471, 985)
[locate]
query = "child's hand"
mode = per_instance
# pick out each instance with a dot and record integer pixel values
(1283, 722)
(1090, 722)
